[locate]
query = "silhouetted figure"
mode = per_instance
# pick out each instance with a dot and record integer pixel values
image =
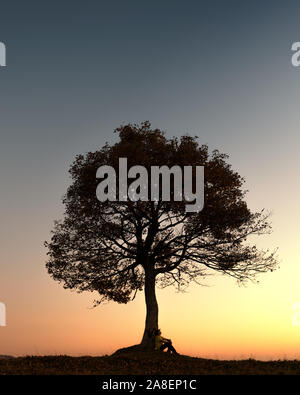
(162, 343)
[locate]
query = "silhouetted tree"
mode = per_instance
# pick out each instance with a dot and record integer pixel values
(119, 248)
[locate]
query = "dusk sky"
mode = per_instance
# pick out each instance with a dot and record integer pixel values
(76, 71)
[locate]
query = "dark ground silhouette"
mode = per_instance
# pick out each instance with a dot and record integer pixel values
(143, 363)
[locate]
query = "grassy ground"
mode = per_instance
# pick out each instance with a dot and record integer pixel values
(142, 363)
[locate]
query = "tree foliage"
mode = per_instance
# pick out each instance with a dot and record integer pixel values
(111, 247)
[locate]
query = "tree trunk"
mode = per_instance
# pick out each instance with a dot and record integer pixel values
(151, 324)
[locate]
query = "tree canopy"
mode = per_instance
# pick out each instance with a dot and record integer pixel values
(118, 248)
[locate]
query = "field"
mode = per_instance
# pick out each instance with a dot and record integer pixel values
(142, 363)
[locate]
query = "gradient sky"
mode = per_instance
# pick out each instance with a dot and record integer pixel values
(76, 71)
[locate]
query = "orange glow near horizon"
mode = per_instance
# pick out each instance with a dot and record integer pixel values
(220, 320)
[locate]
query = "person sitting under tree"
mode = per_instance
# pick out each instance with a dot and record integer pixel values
(161, 343)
